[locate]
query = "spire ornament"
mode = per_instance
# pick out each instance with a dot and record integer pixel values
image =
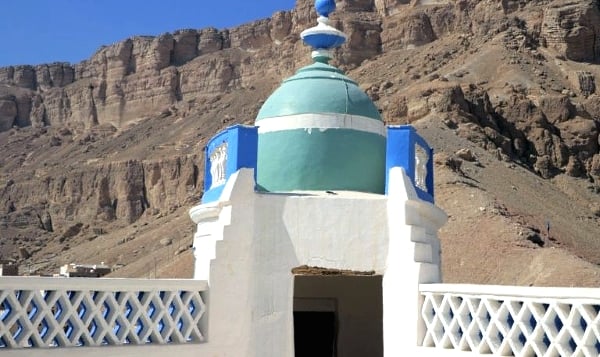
(323, 38)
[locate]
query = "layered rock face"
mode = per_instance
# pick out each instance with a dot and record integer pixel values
(121, 82)
(572, 28)
(142, 76)
(118, 192)
(512, 76)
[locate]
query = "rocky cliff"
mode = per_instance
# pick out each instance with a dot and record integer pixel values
(91, 150)
(141, 76)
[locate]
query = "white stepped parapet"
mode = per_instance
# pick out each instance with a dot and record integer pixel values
(511, 320)
(53, 313)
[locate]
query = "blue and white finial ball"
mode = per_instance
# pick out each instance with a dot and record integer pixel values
(325, 7)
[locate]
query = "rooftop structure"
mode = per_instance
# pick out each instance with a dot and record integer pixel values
(316, 236)
(9, 268)
(309, 209)
(84, 270)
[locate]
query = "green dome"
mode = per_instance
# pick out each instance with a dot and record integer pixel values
(318, 88)
(319, 131)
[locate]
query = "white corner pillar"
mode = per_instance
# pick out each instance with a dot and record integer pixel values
(210, 220)
(413, 259)
(223, 246)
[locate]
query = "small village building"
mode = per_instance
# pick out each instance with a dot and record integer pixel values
(318, 223)
(84, 270)
(9, 268)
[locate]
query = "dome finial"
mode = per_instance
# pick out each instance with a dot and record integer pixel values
(325, 7)
(323, 37)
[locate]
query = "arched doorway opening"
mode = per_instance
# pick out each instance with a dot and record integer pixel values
(337, 313)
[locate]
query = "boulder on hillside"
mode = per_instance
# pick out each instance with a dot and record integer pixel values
(581, 136)
(466, 154)
(408, 29)
(72, 231)
(591, 106)
(557, 108)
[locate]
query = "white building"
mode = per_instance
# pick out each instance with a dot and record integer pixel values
(84, 270)
(8, 268)
(316, 236)
(315, 221)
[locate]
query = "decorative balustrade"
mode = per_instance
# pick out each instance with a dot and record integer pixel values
(512, 321)
(76, 312)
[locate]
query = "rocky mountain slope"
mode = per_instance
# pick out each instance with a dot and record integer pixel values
(101, 160)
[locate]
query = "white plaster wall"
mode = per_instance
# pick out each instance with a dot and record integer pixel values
(343, 231)
(414, 258)
(210, 220)
(254, 240)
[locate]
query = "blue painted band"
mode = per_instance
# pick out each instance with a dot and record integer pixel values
(323, 39)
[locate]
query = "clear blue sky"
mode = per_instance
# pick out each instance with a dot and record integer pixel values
(44, 31)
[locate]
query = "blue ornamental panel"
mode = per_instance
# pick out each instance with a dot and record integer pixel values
(407, 149)
(227, 152)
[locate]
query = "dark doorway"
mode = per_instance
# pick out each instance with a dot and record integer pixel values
(315, 334)
(338, 315)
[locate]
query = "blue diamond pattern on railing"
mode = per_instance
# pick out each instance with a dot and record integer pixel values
(161, 326)
(70, 317)
(128, 309)
(139, 326)
(514, 326)
(151, 310)
(92, 327)
(4, 310)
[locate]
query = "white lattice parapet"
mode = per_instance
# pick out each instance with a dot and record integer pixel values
(78, 312)
(512, 321)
